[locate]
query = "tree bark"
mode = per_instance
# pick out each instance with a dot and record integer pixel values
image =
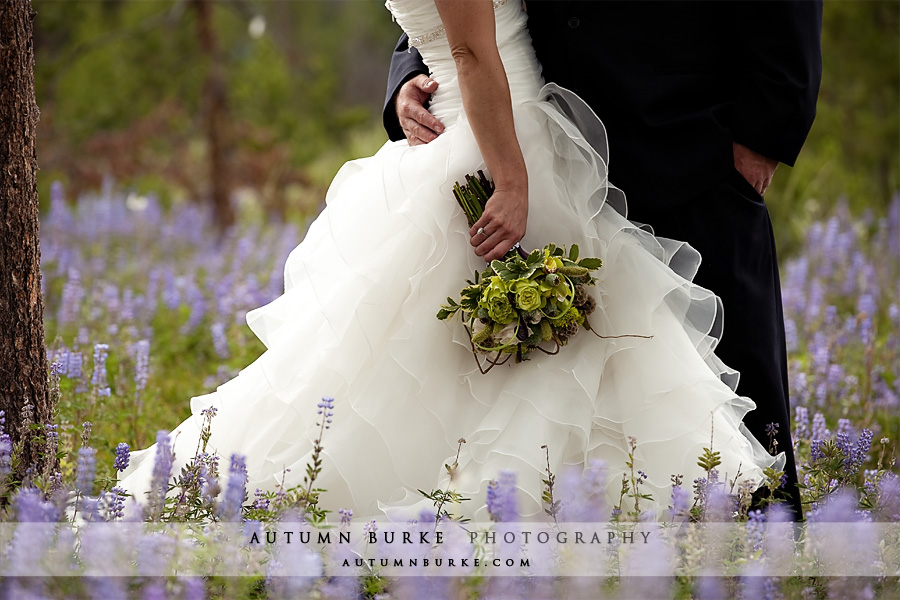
(23, 358)
(215, 117)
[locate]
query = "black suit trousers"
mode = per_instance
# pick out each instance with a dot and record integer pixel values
(729, 225)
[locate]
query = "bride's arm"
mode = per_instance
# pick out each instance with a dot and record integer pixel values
(469, 26)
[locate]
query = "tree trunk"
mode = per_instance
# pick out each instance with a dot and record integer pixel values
(215, 117)
(23, 359)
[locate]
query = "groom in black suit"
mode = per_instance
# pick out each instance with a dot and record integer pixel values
(701, 101)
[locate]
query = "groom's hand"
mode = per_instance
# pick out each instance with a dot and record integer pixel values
(756, 168)
(418, 125)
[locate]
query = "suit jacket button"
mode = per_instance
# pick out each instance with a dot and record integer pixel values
(574, 22)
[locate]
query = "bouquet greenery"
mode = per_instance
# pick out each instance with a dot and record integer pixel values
(525, 301)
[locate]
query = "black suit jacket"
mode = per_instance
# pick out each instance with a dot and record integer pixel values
(675, 83)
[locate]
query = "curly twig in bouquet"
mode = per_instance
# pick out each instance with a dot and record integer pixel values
(527, 300)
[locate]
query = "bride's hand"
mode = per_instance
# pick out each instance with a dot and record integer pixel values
(502, 224)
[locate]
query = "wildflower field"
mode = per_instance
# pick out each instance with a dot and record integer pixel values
(145, 306)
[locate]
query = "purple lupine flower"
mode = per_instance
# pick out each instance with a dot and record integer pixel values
(866, 305)
(31, 507)
(98, 379)
(834, 377)
(6, 447)
(126, 312)
(844, 426)
(162, 471)
(220, 342)
(861, 451)
(815, 450)
(883, 395)
(141, 365)
(293, 571)
(799, 385)
(819, 430)
(198, 308)
(122, 457)
(866, 332)
(869, 482)
(681, 502)
(111, 298)
(209, 482)
(261, 502)
(60, 357)
(346, 515)
(72, 296)
(889, 497)
(194, 588)
(155, 551)
(74, 364)
(86, 470)
(755, 528)
(58, 367)
(820, 352)
(116, 503)
(801, 420)
(831, 314)
(326, 409)
(851, 279)
(843, 443)
(235, 490)
(57, 199)
(790, 334)
(815, 301)
(171, 295)
(501, 502)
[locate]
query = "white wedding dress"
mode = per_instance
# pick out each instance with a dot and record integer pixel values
(357, 322)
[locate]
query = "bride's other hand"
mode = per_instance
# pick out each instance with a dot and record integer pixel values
(419, 126)
(502, 224)
(472, 36)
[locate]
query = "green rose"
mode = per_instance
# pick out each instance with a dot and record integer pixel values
(528, 295)
(496, 288)
(501, 310)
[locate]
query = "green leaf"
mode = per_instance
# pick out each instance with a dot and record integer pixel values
(573, 252)
(500, 269)
(590, 263)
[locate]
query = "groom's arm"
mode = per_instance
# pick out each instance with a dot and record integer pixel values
(406, 63)
(780, 64)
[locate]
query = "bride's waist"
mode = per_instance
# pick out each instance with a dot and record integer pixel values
(446, 103)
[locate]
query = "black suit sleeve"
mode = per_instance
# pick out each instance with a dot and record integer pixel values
(406, 63)
(780, 64)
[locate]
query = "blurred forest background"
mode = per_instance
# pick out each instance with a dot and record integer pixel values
(276, 95)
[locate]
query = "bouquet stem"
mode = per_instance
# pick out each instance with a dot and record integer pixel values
(472, 197)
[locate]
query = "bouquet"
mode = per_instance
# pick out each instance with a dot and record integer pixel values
(527, 300)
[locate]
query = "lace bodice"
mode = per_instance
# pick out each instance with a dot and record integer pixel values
(421, 21)
(437, 32)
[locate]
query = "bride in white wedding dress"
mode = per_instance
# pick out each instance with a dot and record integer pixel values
(357, 319)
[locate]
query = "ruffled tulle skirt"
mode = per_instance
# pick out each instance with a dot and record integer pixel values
(357, 322)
